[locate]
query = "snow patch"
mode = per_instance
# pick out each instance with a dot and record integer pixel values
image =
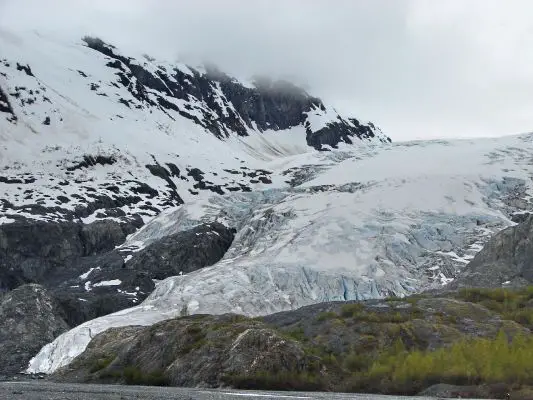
(85, 275)
(112, 282)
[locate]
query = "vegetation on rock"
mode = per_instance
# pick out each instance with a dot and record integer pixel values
(476, 337)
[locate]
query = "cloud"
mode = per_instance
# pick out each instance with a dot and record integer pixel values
(418, 68)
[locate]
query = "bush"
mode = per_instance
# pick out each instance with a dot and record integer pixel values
(323, 316)
(356, 362)
(467, 362)
(264, 380)
(134, 376)
(297, 334)
(511, 304)
(194, 330)
(350, 310)
(358, 312)
(522, 316)
(101, 363)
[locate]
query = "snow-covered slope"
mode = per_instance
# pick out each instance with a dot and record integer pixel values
(356, 224)
(87, 132)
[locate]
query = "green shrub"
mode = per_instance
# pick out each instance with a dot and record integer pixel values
(101, 363)
(297, 334)
(264, 380)
(323, 316)
(523, 316)
(134, 376)
(394, 298)
(349, 310)
(195, 340)
(467, 362)
(194, 330)
(356, 362)
(498, 300)
(114, 374)
(511, 304)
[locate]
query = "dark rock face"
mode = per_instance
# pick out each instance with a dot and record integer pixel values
(506, 259)
(30, 319)
(341, 131)
(161, 172)
(101, 236)
(5, 106)
(36, 251)
(25, 68)
(120, 288)
(199, 350)
(93, 202)
(184, 252)
(105, 283)
(81, 268)
(89, 161)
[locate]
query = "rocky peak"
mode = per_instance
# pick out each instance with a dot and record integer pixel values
(232, 107)
(99, 133)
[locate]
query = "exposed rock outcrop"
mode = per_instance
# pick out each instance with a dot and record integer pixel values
(5, 106)
(507, 259)
(88, 276)
(193, 351)
(38, 251)
(30, 318)
(183, 252)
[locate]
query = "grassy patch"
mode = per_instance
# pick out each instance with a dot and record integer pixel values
(392, 299)
(196, 338)
(132, 375)
(356, 362)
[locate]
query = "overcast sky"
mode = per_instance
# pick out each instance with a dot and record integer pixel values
(417, 68)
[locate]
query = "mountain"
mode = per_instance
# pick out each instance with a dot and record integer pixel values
(137, 191)
(88, 132)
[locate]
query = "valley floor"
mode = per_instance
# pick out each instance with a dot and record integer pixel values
(41, 390)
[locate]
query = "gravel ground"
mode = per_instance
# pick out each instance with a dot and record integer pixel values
(44, 390)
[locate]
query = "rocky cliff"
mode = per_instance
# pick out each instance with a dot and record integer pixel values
(83, 268)
(30, 318)
(506, 260)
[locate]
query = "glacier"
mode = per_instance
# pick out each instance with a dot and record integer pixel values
(358, 223)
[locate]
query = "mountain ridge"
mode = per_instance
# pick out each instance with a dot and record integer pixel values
(102, 97)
